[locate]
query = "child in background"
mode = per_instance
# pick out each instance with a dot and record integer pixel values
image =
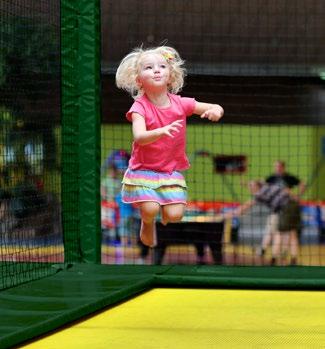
(153, 179)
(110, 215)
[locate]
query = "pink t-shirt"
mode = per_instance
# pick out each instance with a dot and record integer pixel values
(165, 154)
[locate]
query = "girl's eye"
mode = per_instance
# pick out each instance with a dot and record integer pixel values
(163, 66)
(147, 67)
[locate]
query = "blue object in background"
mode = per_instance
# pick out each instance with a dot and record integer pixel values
(235, 220)
(321, 216)
(119, 158)
(309, 215)
(126, 210)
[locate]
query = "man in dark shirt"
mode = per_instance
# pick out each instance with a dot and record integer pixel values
(284, 179)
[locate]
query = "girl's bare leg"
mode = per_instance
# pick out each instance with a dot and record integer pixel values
(172, 213)
(148, 212)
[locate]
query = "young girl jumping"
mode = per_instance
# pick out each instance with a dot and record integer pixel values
(153, 179)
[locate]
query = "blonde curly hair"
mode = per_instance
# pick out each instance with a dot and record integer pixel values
(127, 72)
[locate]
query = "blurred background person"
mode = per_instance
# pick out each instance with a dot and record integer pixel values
(286, 217)
(283, 179)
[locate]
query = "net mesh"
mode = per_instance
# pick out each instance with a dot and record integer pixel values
(263, 61)
(30, 228)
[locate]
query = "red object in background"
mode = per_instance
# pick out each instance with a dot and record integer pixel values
(39, 185)
(110, 214)
(216, 206)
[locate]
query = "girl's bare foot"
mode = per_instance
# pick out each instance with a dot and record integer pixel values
(148, 234)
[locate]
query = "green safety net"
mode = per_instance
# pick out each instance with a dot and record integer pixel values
(30, 123)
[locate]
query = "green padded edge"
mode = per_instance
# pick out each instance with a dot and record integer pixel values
(263, 277)
(41, 306)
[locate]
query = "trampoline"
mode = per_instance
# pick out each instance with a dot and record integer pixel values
(189, 306)
(201, 318)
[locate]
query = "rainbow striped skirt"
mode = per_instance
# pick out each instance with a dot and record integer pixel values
(146, 185)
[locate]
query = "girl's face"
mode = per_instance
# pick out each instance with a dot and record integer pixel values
(154, 73)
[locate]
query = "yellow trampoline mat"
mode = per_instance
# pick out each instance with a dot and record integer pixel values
(201, 318)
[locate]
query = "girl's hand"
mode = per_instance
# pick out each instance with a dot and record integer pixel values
(213, 114)
(143, 136)
(173, 127)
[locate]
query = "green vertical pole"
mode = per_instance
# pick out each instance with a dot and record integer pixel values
(80, 48)
(318, 170)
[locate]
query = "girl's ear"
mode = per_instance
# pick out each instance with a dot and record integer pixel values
(138, 81)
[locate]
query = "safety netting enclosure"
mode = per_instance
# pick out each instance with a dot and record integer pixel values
(68, 245)
(30, 154)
